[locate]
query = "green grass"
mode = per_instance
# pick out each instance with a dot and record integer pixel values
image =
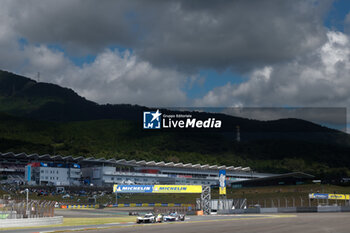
(95, 221)
(81, 221)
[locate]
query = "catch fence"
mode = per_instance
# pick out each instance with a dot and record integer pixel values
(180, 210)
(294, 202)
(14, 209)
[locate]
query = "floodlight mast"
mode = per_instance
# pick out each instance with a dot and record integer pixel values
(206, 199)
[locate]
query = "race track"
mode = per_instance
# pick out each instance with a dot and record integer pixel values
(303, 223)
(282, 223)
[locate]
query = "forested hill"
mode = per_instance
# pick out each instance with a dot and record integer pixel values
(21, 96)
(46, 118)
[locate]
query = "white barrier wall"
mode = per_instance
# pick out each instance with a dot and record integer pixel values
(25, 222)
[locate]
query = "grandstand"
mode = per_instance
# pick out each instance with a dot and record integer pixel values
(49, 169)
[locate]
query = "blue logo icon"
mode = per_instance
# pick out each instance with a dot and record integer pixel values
(152, 120)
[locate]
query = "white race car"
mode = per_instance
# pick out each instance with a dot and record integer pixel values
(149, 218)
(174, 216)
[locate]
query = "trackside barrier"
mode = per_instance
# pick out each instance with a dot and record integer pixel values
(328, 209)
(78, 206)
(242, 211)
(182, 210)
(236, 211)
(307, 209)
(287, 210)
(345, 209)
(226, 211)
(268, 210)
(151, 205)
(24, 222)
(319, 209)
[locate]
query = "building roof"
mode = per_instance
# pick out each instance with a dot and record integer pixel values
(296, 175)
(80, 159)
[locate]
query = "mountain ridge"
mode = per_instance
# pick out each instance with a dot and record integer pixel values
(46, 118)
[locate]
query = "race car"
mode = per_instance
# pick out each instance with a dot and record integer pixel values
(150, 218)
(160, 218)
(174, 216)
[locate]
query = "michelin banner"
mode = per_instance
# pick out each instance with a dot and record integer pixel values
(177, 189)
(157, 188)
(222, 180)
(329, 196)
(338, 196)
(133, 188)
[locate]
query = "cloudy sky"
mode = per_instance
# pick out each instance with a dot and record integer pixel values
(184, 53)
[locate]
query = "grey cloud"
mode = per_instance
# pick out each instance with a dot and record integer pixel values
(281, 46)
(112, 78)
(79, 26)
(235, 34)
(320, 78)
(187, 34)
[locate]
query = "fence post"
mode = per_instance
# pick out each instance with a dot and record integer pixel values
(309, 202)
(301, 201)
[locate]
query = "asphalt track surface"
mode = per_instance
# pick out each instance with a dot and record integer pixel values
(97, 213)
(259, 223)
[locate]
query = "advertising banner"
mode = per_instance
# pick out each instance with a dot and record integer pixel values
(329, 196)
(133, 188)
(318, 196)
(29, 173)
(222, 180)
(157, 188)
(177, 189)
(338, 196)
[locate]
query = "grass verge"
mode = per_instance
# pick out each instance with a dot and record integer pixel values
(80, 222)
